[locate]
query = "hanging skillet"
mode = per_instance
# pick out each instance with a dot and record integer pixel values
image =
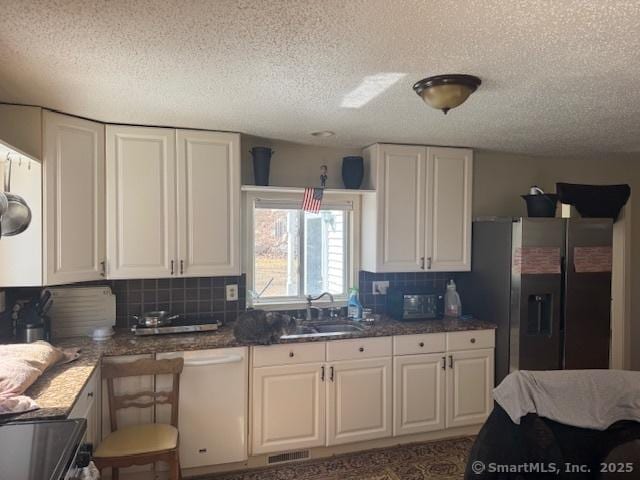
(4, 204)
(17, 216)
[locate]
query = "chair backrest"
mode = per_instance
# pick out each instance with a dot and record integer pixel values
(145, 366)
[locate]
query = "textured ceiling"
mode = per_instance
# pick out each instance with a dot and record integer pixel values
(559, 76)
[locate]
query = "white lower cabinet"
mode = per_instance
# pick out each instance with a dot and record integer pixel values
(419, 393)
(359, 400)
(288, 407)
(348, 391)
(87, 406)
(469, 385)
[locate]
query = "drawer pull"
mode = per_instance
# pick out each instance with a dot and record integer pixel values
(450, 361)
(473, 340)
(421, 344)
(90, 394)
(444, 363)
(361, 349)
(322, 373)
(332, 372)
(291, 354)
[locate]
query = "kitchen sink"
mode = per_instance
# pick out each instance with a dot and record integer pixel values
(320, 329)
(338, 328)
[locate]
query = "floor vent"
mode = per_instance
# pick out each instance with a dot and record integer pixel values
(288, 457)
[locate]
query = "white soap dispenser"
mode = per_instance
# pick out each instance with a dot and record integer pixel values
(452, 304)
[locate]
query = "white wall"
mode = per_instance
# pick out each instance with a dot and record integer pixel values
(295, 165)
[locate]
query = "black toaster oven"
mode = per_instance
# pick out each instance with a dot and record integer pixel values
(404, 304)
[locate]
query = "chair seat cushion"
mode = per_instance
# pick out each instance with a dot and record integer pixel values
(138, 439)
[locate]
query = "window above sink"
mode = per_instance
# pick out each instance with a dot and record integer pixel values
(291, 254)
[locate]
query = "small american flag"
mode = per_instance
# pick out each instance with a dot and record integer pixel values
(312, 199)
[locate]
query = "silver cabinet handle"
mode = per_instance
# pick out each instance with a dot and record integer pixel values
(103, 268)
(422, 263)
(331, 374)
(428, 263)
(172, 262)
(322, 373)
(444, 363)
(181, 267)
(450, 361)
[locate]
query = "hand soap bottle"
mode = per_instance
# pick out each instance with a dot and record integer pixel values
(452, 304)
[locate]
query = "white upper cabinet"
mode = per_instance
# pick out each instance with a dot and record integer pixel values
(401, 173)
(419, 219)
(172, 203)
(141, 202)
(74, 247)
(448, 225)
(208, 203)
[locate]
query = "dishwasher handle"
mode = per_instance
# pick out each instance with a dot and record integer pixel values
(214, 361)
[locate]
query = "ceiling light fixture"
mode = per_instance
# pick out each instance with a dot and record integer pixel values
(445, 92)
(323, 133)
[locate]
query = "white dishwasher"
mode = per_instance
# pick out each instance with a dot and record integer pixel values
(213, 406)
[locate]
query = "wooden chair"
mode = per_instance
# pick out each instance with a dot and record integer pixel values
(147, 443)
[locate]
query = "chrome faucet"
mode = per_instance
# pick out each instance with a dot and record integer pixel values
(310, 306)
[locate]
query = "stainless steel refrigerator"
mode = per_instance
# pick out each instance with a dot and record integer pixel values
(546, 283)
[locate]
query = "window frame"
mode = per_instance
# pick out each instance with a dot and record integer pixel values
(352, 238)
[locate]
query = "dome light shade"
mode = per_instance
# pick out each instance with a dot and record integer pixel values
(445, 92)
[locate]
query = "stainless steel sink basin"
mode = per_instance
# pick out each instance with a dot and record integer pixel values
(338, 328)
(320, 329)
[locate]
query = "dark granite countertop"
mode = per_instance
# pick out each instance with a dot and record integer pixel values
(58, 388)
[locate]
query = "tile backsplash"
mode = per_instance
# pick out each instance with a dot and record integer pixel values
(198, 299)
(426, 282)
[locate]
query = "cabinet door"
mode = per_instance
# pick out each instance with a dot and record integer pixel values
(141, 202)
(208, 203)
(74, 199)
(359, 400)
(401, 186)
(448, 220)
(469, 385)
(419, 393)
(88, 407)
(288, 408)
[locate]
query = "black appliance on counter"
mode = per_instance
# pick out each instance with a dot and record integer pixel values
(411, 304)
(546, 283)
(43, 450)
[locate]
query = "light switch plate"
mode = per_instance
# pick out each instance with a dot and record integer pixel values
(380, 287)
(232, 293)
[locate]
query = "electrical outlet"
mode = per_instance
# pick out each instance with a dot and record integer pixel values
(232, 293)
(381, 287)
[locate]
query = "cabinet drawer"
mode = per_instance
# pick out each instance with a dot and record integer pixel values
(470, 340)
(288, 354)
(413, 344)
(359, 348)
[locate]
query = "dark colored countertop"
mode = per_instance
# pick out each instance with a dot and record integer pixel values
(58, 388)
